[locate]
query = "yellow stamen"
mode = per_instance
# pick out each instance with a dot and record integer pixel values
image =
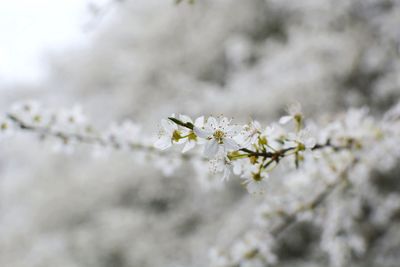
(176, 136)
(219, 136)
(257, 176)
(192, 136)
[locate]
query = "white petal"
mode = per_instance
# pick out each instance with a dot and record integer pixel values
(212, 122)
(223, 123)
(233, 130)
(292, 136)
(189, 145)
(285, 119)
(241, 140)
(211, 148)
(163, 143)
(180, 141)
(257, 125)
(201, 141)
(255, 187)
(227, 173)
(168, 126)
(202, 133)
(290, 144)
(310, 142)
(230, 144)
(237, 168)
(254, 139)
(294, 108)
(199, 122)
(269, 130)
(185, 118)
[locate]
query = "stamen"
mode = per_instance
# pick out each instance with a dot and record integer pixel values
(219, 136)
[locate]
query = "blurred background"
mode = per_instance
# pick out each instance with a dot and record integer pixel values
(143, 60)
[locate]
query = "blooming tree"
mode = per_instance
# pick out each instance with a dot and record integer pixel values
(305, 171)
(312, 185)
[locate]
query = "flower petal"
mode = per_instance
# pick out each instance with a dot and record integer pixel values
(224, 122)
(285, 119)
(202, 133)
(257, 187)
(212, 122)
(163, 143)
(230, 144)
(233, 130)
(292, 136)
(237, 167)
(199, 122)
(185, 118)
(310, 142)
(256, 125)
(227, 174)
(168, 126)
(211, 148)
(294, 108)
(189, 145)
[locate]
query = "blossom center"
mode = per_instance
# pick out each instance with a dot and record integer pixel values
(257, 177)
(192, 136)
(176, 136)
(219, 136)
(251, 253)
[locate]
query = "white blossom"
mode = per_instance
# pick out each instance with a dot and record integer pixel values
(169, 133)
(301, 139)
(30, 112)
(255, 180)
(294, 113)
(191, 139)
(218, 258)
(218, 134)
(221, 164)
(6, 127)
(261, 163)
(250, 134)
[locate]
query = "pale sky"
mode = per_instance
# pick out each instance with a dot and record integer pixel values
(31, 28)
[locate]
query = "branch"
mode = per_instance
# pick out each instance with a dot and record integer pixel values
(91, 140)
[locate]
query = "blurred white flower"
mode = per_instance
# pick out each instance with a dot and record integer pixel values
(238, 165)
(64, 145)
(253, 251)
(294, 113)
(218, 258)
(167, 164)
(208, 181)
(126, 134)
(255, 179)
(6, 126)
(302, 140)
(71, 120)
(221, 164)
(30, 112)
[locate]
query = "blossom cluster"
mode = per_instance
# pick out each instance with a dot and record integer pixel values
(310, 163)
(251, 151)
